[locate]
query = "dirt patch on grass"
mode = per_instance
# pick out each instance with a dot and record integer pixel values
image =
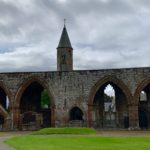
(123, 133)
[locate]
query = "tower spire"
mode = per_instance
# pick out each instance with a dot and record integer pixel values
(64, 39)
(64, 52)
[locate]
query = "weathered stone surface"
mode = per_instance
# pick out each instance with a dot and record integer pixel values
(74, 88)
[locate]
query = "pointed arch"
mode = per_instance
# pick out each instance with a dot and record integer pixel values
(7, 92)
(114, 80)
(29, 81)
(3, 106)
(143, 105)
(25, 84)
(99, 84)
(76, 113)
(140, 86)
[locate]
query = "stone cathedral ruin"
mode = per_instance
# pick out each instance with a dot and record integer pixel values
(76, 98)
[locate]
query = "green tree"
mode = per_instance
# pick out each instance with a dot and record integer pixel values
(45, 100)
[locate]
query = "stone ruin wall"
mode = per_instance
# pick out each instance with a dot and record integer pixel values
(74, 88)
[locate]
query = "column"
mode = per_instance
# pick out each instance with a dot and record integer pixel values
(53, 116)
(90, 108)
(133, 116)
(16, 122)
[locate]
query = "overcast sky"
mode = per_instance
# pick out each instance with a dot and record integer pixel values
(103, 33)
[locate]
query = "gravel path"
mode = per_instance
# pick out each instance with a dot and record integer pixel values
(3, 146)
(5, 135)
(123, 133)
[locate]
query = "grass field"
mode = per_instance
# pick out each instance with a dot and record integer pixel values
(65, 131)
(57, 142)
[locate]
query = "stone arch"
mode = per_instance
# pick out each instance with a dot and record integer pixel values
(21, 90)
(5, 89)
(4, 115)
(26, 83)
(76, 113)
(143, 110)
(96, 87)
(140, 86)
(116, 81)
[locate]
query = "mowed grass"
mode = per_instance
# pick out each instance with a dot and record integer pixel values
(57, 142)
(65, 131)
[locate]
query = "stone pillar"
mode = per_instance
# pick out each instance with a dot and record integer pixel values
(9, 121)
(133, 116)
(53, 116)
(90, 108)
(16, 118)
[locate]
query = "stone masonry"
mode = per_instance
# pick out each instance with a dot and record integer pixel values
(77, 89)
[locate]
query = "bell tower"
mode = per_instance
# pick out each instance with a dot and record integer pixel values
(64, 52)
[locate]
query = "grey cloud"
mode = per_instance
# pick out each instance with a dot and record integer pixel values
(104, 33)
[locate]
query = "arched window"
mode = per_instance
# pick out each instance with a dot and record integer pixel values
(76, 114)
(109, 98)
(143, 96)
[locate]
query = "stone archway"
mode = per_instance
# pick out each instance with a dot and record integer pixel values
(119, 84)
(143, 104)
(140, 86)
(33, 88)
(5, 108)
(76, 117)
(76, 114)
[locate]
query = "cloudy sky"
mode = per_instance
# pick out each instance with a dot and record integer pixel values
(103, 33)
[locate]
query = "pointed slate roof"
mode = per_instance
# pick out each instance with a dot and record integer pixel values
(64, 40)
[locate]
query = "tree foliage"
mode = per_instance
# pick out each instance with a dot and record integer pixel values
(45, 100)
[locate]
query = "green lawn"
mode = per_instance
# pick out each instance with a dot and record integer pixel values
(65, 131)
(56, 142)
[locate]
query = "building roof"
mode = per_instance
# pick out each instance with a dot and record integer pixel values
(64, 40)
